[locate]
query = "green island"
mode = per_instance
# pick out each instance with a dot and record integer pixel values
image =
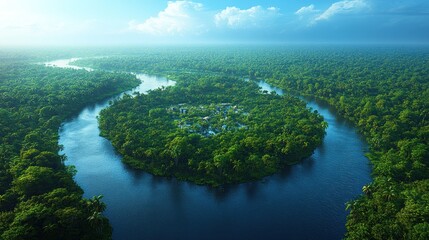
(212, 130)
(38, 196)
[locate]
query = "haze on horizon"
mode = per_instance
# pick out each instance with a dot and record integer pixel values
(134, 22)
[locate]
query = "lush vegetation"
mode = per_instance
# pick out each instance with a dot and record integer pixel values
(386, 95)
(212, 130)
(38, 197)
(383, 90)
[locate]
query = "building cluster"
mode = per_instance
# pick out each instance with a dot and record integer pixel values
(208, 120)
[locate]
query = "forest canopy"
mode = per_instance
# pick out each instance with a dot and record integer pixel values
(384, 91)
(212, 130)
(38, 196)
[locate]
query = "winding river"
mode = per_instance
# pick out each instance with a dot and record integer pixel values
(305, 201)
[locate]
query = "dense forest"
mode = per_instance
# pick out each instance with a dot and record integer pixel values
(384, 91)
(38, 197)
(212, 130)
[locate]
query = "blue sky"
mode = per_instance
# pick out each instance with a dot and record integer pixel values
(97, 22)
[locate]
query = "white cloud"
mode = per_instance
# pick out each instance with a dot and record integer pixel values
(346, 6)
(311, 15)
(308, 14)
(254, 17)
(180, 17)
(307, 10)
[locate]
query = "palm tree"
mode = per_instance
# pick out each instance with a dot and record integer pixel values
(95, 204)
(367, 189)
(96, 207)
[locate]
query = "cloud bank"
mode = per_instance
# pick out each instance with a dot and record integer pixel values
(191, 18)
(180, 17)
(47, 22)
(254, 17)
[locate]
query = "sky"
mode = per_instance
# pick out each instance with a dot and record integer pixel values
(134, 22)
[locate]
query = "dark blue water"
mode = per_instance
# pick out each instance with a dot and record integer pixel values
(305, 201)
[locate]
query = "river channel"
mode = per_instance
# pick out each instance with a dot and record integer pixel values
(304, 201)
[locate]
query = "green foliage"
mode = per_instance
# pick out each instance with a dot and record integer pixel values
(212, 130)
(58, 214)
(38, 197)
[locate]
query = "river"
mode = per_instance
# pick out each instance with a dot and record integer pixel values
(304, 201)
